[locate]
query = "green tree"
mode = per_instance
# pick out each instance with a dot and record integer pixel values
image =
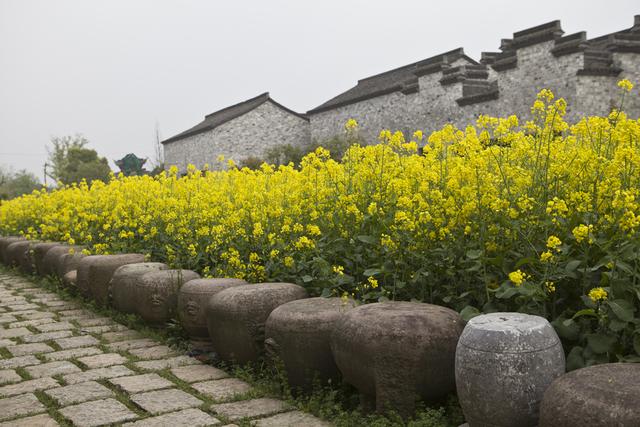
(16, 184)
(71, 161)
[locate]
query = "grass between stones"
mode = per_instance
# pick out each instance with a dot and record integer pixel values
(52, 407)
(338, 403)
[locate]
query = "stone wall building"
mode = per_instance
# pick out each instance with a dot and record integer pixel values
(243, 130)
(454, 88)
(426, 95)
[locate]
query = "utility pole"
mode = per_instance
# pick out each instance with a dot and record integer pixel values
(45, 173)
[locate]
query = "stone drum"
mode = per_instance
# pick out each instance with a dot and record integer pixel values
(125, 279)
(95, 271)
(39, 251)
(4, 244)
(236, 318)
(156, 294)
(299, 333)
(192, 303)
(597, 396)
(394, 352)
(504, 364)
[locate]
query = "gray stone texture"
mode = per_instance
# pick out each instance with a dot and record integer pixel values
(42, 420)
(155, 352)
(141, 383)
(597, 396)
(52, 368)
(193, 373)
(259, 129)
(291, 419)
(79, 341)
(394, 352)
(162, 401)
(9, 376)
(98, 374)
(95, 272)
(28, 386)
(47, 336)
(20, 405)
(18, 362)
(192, 303)
(249, 408)
(72, 353)
(78, 393)
(124, 281)
(4, 244)
(222, 390)
(26, 349)
(299, 333)
(236, 317)
(97, 413)
(17, 255)
(157, 365)
(102, 360)
(186, 418)
(504, 363)
(156, 294)
(39, 252)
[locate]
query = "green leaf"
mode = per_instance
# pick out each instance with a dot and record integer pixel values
(636, 343)
(368, 239)
(585, 312)
(508, 293)
(468, 313)
(326, 293)
(623, 309)
(572, 265)
(474, 253)
(567, 329)
(371, 272)
(600, 343)
(575, 359)
(306, 278)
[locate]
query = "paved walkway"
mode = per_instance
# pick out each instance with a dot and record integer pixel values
(61, 364)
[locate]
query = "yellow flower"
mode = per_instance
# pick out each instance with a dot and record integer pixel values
(338, 269)
(553, 242)
(372, 282)
(546, 256)
(625, 85)
(517, 277)
(583, 232)
(598, 294)
(288, 262)
(550, 286)
(351, 125)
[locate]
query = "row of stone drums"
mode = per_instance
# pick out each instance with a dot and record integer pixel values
(507, 368)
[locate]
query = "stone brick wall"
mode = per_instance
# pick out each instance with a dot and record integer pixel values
(539, 58)
(245, 136)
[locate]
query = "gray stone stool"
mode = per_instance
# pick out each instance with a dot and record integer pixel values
(236, 318)
(299, 333)
(504, 364)
(52, 262)
(17, 255)
(39, 251)
(4, 244)
(192, 303)
(394, 352)
(123, 282)
(597, 396)
(156, 294)
(70, 260)
(95, 272)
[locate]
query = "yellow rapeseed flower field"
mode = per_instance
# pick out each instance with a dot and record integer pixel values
(501, 215)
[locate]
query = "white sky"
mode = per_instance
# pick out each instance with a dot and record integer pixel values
(112, 69)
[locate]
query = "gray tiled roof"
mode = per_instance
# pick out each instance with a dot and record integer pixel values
(391, 81)
(217, 118)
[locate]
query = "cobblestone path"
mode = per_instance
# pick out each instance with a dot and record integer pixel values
(62, 364)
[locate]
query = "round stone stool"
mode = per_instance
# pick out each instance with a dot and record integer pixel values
(70, 260)
(236, 318)
(125, 279)
(504, 363)
(597, 396)
(18, 255)
(70, 279)
(393, 352)
(156, 294)
(95, 272)
(299, 333)
(39, 251)
(192, 303)
(52, 260)
(4, 244)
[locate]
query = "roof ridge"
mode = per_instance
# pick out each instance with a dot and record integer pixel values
(263, 94)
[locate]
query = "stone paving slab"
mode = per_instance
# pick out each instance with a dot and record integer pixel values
(25, 404)
(121, 336)
(54, 326)
(27, 349)
(72, 353)
(52, 368)
(193, 373)
(78, 393)
(141, 383)
(42, 420)
(126, 345)
(161, 401)
(28, 386)
(98, 374)
(185, 418)
(47, 336)
(249, 408)
(102, 360)
(5, 342)
(14, 333)
(18, 362)
(9, 376)
(158, 365)
(155, 352)
(73, 342)
(222, 390)
(97, 413)
(291, 419)
(35, 322)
